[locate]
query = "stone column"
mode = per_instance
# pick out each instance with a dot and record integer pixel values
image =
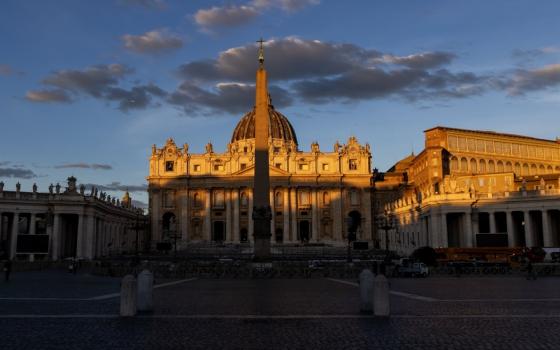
(468, 239)
(235, 199)
(273, 214)
(443, 231)
(55, 238)
(32, 224)
(492, 219)
(510, 229)
(184, 214)
(314, 215)
(293, 214)
(250, 215)
(156, 216)
(14, 235)
(227, 198)
(338, 223)
(286, 214)
(207, 234)
(80, 237)
(366, 205)
(529, 242)
(434, 224)
(548, 240)
(89, 250)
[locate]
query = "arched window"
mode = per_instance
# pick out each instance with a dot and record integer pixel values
(508, 167)
(525, 170)
(244, 199)
(549, 169)
(278, 199)
(541, 169)
(491, 166)
(473, 166)
(517, 169)
(454, 164)
(557, 169)
(533, 169)
(500, 167)
(196, 200)
(482, 166)
(326, 199)
(464, 165)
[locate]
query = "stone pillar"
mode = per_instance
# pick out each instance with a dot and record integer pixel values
(250, 216)
(434, 225)
(156, 215)
(207, 233)
(314, 215)
(529, 242)
(510, 229)
(492, 218)
(338, 223)
(443, 231)
(55, 238)
(272, 213)
(286, 214)
(128, 306)
(14, 235)
(293, 214)
(475, 226)
(227, 198)
(32, 224)
(89, 249)
(366, 212)
(235, 199)
(548, 240)
(184, 214)
(468, 239)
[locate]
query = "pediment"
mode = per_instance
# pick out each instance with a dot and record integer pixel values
(250, 171)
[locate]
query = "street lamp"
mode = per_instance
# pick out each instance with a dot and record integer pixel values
(386, 223)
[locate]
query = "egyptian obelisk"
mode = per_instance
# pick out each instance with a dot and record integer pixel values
(262, 214)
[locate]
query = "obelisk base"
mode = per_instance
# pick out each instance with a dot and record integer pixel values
(262, 217)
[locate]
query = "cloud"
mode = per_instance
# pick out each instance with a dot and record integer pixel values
(84, 166)
(533, 53)
(524, 81)
(224, 97)
(139, 204)
(99, 81)
(149, 4)
(236, 15)
(424, 60)
(53, 95)
(152, 42)
(117, 186)
(285, 59)
(17, 173)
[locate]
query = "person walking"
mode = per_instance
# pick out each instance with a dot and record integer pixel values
(7, 270)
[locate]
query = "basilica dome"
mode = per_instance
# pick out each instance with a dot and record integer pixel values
(278, 127)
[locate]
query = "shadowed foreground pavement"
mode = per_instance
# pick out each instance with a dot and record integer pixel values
(433, 313)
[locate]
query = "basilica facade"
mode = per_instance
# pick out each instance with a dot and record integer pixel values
(315, 196)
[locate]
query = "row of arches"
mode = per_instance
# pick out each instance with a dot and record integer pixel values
(482, 166)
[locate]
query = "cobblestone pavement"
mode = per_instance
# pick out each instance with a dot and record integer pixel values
(431, 313)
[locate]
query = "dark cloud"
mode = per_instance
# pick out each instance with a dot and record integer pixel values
(117, 186)
(285, 59)
(17, 173)
(139, 204)
(230, 98)
(84, 166)
(236, 15)
(411, 84)
(55, 95)
(100, 81)
(529, 54)
(149, 4)
(524, 81)
(153, 42)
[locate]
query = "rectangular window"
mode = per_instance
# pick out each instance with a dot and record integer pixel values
(276, 149)
(218, 199)
(169, 165)
(218, 167)
(303, 166)
(278, 165)
(243, 166)
(353, 164)
(196, 167)
(325, 167)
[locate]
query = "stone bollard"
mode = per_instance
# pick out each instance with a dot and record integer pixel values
(145, 291)
(366, 291)
(381, 296)
(128, 296)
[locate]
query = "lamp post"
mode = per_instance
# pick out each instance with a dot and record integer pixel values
(386, 224)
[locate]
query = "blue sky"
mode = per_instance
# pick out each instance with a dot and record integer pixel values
(87, 86)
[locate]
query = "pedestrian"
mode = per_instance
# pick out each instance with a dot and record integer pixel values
(530, 272)
(7, 270)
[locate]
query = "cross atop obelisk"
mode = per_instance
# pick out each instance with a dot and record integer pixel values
(262, 214)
